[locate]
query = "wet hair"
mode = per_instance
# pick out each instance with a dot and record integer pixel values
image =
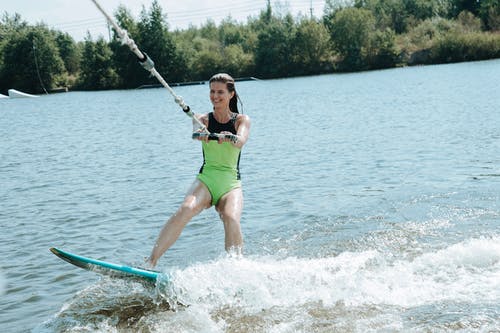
(229, 81)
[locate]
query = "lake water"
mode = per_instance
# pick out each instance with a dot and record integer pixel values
(372, 204)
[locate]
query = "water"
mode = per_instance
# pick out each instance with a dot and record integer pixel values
(372, 203)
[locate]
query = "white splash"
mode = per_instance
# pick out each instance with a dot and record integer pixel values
(467, 271)
(354, 291)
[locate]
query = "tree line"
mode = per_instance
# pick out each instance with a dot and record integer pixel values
(350, 36)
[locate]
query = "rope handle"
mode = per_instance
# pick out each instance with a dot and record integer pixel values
(215, 136)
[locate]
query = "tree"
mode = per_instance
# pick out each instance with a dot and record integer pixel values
(489, 12)
(98, 72)
(69, 52)
(469, 22)
(236, 50)
(333, 6)
(273, 54)
(236, 61)
(131, 74)
(311, 48)
(382, 52)
(350, 30)
(458, 6)
(31, 60)
(388, 13)
(206, 63)
(209, 30)
(9, 27)
(424, 9)
(230, 33)
(159, 44)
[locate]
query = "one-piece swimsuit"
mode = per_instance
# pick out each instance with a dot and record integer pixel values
(220, 170)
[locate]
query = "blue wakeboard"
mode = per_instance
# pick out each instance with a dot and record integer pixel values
(107, 268)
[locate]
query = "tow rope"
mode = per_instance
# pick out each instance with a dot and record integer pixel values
(148, 65)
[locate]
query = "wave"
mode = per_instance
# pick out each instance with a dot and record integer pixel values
(466, 271)
(457, 286)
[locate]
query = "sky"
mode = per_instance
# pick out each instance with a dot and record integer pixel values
(76, 17)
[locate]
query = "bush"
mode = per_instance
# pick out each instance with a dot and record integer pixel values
(456, 47)
(382, 52)
(350, 31)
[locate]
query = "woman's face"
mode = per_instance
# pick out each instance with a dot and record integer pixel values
(219, 95)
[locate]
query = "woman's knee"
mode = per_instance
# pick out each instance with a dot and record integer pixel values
(228, 213)
(190, 207)
(228, 220)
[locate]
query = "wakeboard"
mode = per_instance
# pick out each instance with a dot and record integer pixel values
(108, 268)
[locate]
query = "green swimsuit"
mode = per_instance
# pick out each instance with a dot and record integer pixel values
(220, 170)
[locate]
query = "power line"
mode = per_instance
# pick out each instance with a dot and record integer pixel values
(180, 17)
(69, 26)
(219, 8)
(88, 20)
(220, 11)
(213, 11)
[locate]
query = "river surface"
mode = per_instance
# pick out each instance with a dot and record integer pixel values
(372, 204)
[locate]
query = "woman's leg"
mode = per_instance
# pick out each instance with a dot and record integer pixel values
(230, 207)
(197, 199)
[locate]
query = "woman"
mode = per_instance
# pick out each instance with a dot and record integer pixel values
(218, 182)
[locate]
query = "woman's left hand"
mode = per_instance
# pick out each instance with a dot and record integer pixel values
(223, 139)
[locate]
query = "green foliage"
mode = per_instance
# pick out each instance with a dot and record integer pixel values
(237, 62)
(350, 30)
(427, 32)
(206, 64)
(273, 54)
(209, 30)
(455, 47)
(312, 52)
(382, 52)
(425, 9)
(388, 13)
(34, 58)
(333, 6)
(489, 12)
(399, 15)
(124, 62)
(458, 6)
(97, 66)
(158, 43)
(151, 34)
(68, 51)
(30, 60)
(469, 22)
(9, 27)
(352, 35)
(210, 49)
(229, 32)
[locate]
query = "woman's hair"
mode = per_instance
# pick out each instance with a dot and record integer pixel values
(229, 81)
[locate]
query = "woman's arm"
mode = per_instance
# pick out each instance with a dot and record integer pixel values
(242, 130)
(203, 118)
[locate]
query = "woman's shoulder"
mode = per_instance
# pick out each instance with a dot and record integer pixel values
(203, 117)
(242, 117)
